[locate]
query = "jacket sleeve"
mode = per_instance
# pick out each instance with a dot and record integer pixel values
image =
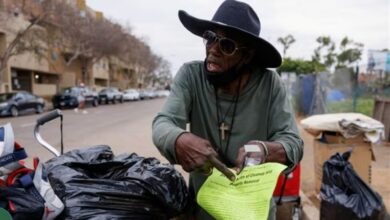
(282, 125)
(171, 121)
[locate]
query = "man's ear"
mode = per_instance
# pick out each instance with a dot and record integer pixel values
(248, 56)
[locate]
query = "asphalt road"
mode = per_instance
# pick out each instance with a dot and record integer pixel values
(126, 128)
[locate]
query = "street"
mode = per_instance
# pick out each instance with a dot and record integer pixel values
(126, 128)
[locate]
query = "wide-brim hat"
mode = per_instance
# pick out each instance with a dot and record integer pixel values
(238, 17)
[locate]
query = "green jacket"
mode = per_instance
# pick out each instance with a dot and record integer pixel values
(263, 113)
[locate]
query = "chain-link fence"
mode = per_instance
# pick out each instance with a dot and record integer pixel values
(341, 91)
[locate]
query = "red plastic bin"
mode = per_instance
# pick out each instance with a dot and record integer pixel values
(290, 190)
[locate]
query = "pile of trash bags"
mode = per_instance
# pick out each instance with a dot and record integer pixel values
(93, 182)
(89, 183)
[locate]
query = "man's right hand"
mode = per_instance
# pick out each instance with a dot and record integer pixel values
(192, 152)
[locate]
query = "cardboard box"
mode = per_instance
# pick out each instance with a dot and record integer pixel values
(329, 144)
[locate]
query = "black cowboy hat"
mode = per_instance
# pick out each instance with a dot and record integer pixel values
(238, 17)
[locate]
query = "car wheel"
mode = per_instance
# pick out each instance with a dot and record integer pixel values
(95, 102)
(39, 109)
(14, 111)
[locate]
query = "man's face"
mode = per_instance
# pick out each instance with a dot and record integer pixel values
(217, 60)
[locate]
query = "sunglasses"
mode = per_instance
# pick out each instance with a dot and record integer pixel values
(227, 46)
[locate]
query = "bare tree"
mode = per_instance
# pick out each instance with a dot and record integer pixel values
(83, 36)
(26, 37)
(79, 35)
(286, 42)
(163, 75)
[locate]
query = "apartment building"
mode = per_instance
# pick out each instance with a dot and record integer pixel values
(45, 74)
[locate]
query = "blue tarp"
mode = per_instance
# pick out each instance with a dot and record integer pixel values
(307, 83)
(335, 95)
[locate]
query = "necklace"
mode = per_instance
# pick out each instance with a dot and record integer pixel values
(225, 129)
(222, 126)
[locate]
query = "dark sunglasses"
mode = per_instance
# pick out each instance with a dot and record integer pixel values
(227, 46)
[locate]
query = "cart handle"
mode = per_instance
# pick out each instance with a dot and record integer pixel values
(49, 116)
(41, 121)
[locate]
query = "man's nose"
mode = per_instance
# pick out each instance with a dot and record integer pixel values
(214, 47)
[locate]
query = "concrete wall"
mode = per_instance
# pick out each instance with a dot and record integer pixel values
(100, 69)
(45, 90)
(29, 61)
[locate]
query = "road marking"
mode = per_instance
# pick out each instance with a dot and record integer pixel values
(27, 125)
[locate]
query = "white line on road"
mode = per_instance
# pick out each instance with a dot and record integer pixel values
(27, 125)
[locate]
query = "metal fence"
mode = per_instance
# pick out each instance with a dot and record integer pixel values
(341, 91)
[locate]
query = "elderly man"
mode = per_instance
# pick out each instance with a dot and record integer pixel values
(229, 100)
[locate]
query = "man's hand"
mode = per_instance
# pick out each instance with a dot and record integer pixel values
(192, 152)
(251, 155)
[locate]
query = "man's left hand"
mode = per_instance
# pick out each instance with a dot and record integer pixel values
(251, 153)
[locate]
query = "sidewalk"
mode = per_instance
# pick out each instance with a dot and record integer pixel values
(380, 170)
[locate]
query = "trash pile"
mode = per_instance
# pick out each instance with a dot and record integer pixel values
(90, 183)
(93, 182)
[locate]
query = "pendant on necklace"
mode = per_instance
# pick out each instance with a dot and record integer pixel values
(224, 129)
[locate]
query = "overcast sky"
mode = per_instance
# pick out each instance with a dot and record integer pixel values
(156, 21)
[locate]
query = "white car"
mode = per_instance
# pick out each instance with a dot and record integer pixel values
(162, 93)
(131, 95)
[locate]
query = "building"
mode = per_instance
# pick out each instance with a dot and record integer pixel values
(46, 69)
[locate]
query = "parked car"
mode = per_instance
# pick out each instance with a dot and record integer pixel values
(68, 97)
(162, 93)
(147, 94)
(15, 103)
(130, 95)
(110, 94)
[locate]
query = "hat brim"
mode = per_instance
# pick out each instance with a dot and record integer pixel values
(267, 55)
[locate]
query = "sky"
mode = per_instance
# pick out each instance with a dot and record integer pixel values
(157, 23)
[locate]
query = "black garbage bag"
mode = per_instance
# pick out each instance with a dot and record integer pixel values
(21, 204)
(344, 195)
(93, 184)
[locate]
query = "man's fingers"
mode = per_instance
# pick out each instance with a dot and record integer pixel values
(241, 163)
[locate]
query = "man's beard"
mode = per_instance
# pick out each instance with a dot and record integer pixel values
(218, 79)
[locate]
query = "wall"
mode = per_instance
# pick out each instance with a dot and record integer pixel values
(45, 90)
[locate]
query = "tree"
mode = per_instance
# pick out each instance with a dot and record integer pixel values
(286, 42)
(163, 76)
(300, 66)
(327, 57)
(348, 52)
(78, 35)
(82, 36)
(25, 37)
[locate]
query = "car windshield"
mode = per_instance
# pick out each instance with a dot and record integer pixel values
(5, 96)
(71, 90)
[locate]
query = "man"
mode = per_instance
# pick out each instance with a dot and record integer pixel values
(230, 101)
(81, 99)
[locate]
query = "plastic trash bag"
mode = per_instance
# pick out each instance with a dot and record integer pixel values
(344, 195)
(93, 184)
(21, 204)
